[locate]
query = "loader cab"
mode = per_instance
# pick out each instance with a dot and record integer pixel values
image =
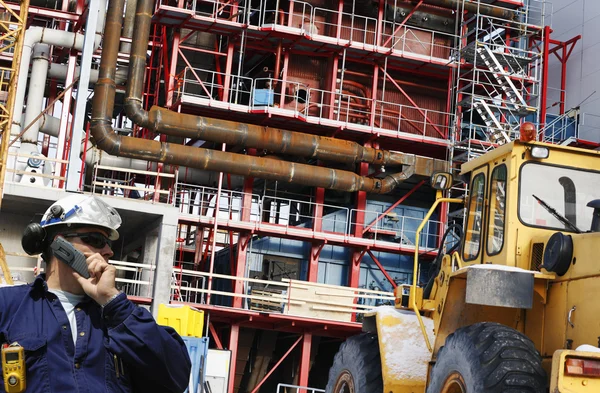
(512, 192)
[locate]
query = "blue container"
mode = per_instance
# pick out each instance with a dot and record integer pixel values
(263, 97)
(198, 350)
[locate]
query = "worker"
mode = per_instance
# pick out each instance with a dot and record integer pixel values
(82, 334)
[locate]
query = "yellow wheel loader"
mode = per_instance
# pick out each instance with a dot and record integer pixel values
(515, 305)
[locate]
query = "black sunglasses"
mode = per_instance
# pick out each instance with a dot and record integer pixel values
(94, 239)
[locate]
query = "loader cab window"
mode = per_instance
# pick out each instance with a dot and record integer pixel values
(495, 234)
(474, 227)
(567, 190)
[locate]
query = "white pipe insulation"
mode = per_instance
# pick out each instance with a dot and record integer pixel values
(48, 124)
(41, 35)
(59, 71)
(35, 98)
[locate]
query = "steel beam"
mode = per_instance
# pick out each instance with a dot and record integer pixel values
(257, 387)
(389, 209)
(380, 266)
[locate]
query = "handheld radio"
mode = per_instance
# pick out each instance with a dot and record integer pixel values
(65, 251)
(13, 368)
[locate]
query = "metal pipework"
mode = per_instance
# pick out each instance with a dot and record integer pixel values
(108, 140)
(474, 7)
(164, 121)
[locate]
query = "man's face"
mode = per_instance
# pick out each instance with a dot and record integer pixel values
(83, 243)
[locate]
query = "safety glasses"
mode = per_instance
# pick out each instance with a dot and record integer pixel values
(94, 239)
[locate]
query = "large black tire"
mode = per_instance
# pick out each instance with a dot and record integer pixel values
(488, 357)
(356, 367)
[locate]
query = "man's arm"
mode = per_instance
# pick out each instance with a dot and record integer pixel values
(156, 354)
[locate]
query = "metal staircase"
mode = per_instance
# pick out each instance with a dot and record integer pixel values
(497, 84)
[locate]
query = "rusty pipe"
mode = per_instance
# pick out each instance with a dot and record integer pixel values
(162, 120)
(124, 146)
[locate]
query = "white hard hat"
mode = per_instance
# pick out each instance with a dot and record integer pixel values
(83, 210)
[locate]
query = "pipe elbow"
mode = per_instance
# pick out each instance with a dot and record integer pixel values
(137, 114)
(105, 137)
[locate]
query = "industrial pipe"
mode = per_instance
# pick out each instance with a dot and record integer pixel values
(108, 140)
(42, 35)
(35, 98)
(59, 71)
(162, 120)
(130, 7)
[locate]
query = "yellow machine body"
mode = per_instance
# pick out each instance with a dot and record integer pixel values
(498, 274)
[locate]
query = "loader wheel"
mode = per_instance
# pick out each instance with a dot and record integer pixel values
(487, 357)
(356, 367)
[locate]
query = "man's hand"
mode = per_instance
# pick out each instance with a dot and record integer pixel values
(101, 284)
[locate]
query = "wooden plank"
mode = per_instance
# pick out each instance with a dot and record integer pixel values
(316, 284)
(138, 171)
(360, 296)
(242, 295)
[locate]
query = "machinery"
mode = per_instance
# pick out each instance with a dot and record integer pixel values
(512, 306)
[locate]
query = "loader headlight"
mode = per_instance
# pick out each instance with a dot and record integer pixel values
(540, 152)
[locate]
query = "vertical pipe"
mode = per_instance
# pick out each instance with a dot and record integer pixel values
(130, 8)
(35, 98)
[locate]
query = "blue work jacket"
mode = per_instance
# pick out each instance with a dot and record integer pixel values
(119, 348)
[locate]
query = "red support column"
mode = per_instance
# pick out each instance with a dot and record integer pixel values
(228, 67)
(173, 70)
(335, 63)
(313, 265)
(544, 92)
(359, 221)
(233, 347)
(305, 362)
(374, 94)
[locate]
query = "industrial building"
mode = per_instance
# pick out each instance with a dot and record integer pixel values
(271, 158)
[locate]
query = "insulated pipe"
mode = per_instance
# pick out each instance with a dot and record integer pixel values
(49, 125)
(42, 35)
(212, 160)
(162, 120)
(35, 98)
(59, 71)
(474, 7)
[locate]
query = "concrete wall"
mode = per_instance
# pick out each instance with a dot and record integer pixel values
(570, 18)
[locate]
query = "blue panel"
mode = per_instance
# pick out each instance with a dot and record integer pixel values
(263, 97)
(198, 350)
